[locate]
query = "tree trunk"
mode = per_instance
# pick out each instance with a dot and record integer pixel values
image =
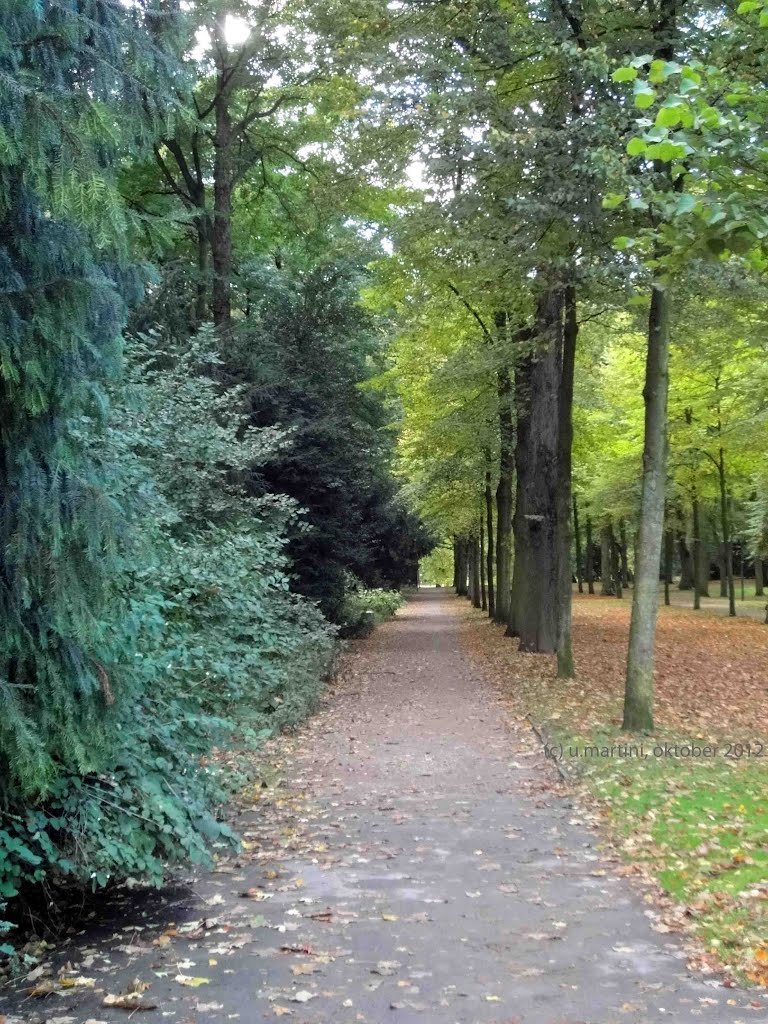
(490, 553)
(590, 558)
(616, 573)
(564, 486)
(504, 488)
(483, 591)
(723, 570)
(577, 539)
(686, 564)
(759, 580)
(638, 695)
(669, 554)
(221, 233)
(537, 581)
(726, 528)
(474, 547)
(203, 232)
(696, 552)
(463, 568)
(456, 565)
(607, 588)
(624, 554)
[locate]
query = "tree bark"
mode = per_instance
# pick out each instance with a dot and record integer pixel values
(606, 575)
(490, 554)
(638, 694)
(504, 488)
(577, 538)
(616, 573)
(201, 286)
(686, 564)
(564, 485)
(726, 528)
(696, 552)
(723, 570)
(474, 548)
(483, 591)
(537, 580)
(669, 554)
(759, 582)
(463, 568)
(624, 553)
(590, 558)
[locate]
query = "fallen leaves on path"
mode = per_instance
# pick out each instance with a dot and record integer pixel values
(687, 807)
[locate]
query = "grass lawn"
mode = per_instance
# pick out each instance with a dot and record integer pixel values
(689, 807)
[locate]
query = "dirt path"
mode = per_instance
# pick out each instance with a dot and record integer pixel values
(418, 864)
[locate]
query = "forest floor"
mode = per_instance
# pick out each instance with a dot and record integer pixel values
(413, 856)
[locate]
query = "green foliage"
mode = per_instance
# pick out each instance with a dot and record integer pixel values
(367, 606)
(308, 355)
(218, 643)
(234, 636)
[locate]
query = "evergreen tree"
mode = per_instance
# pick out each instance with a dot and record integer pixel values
(68, 74)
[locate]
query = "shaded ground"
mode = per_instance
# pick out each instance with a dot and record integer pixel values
(415, 860)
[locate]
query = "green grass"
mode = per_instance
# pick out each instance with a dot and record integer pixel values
(701, 829)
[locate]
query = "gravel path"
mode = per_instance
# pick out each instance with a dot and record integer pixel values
(417, 862)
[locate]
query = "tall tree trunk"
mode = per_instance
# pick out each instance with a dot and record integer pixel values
(504, 488)
(726, 528)
(638, 695)
(616, 573)
(624, 553)
(686, 564)
(483, 591)
(590, 558)
(203, 233)
(723, 570)
(456, 559)
(607, 588)
(669, 554)
(564, 485)
(221, 233)
(537, 580)
(490, 553)
(759, 583)
(474, 547)
(696, 552)
(577, 539)
(463, 568)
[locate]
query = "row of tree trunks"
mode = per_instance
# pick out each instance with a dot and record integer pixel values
(461, 566)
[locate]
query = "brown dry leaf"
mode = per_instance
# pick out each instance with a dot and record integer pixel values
(303, 969)
(43, 988)
(128, 1001)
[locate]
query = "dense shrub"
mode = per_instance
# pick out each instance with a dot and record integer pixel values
(212, 639)
(365, 607)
